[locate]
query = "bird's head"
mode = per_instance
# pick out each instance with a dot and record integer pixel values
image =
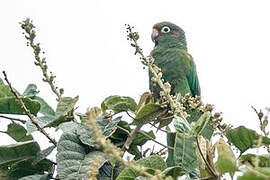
(167, 34)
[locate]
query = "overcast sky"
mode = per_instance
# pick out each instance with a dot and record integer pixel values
(86, 47)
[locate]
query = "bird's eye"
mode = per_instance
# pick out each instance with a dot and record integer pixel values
(165, 29)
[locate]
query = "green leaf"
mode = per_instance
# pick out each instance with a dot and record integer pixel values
(42, 121)
(30, 91)
(148, 113)
(171, 142)
(140, 139)
(37, 177)
(174, 172)
(153, 162)
(199, 125)
(262, 160)
(258, 173)
(108, 172)
(45, 108)
(244, 138)
(9, 105)
(85, 135)
(72, 160)
(18, 132)
(107, 126)
(65, 105)
(226, 160)
(184, 153)
(43, 154)
(69, 127)
(180, 125)
(17, 152)
(119, 104)
(26, 167)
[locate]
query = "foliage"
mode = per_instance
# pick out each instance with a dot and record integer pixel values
(92, 143)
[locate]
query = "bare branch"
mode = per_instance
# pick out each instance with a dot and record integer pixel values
(27, 112)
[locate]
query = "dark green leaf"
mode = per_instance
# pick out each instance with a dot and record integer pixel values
(184, 153)
(148, 113)
(72, 160)
(9, 105)
(244, 138)
(30, 91)
(18, 132)
(259, 173)
(200, 124)
(17, 152)
(141, 139)
(171, 142)
(133, 149)
(43, 154)
(263, 160)
(108, 172)
(27, 167)
(118, 104)
(153, 162)
(174, 172)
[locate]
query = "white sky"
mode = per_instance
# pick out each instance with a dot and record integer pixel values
(86, 47)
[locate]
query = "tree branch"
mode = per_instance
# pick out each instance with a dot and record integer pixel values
(13, 119)
(146, 135)
(27, 112)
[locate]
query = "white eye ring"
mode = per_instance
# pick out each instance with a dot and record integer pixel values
(165, 29)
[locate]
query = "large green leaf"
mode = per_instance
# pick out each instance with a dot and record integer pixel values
(72, 160)
(153, 162)
(118, 104)
(258, 173)
(43, 154)
(18, 132)
(10, 105)
(184, 153)
(262, 160)
(244, 138)
(180, 125)
(52, 119)
(148, 113)
(17, 152)
(26, 167)
(45, 108)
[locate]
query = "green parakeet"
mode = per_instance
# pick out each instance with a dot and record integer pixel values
(170, 54)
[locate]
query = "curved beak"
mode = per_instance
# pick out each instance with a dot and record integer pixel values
(154, 34)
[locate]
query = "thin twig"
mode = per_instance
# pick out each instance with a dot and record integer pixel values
(123, 129)
(13, 119)
(159, 128)
(129, 115)
(146, 135)
(27, 112)
(205, 161)
(131, 137)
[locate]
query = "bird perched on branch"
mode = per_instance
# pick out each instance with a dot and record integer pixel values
(177, 65)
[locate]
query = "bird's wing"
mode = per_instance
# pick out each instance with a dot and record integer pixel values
(192, 77)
